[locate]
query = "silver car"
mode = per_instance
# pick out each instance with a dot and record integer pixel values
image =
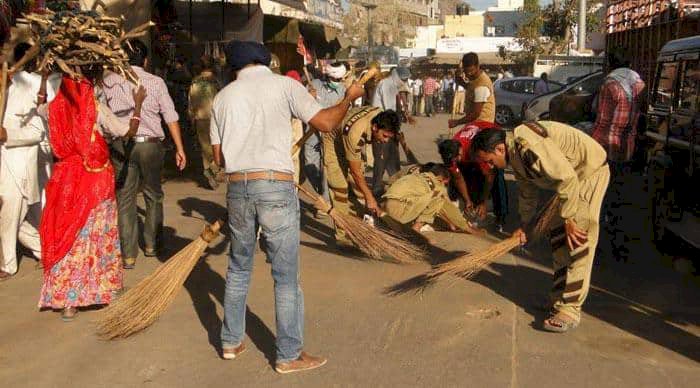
(512, 94)
(538, 108)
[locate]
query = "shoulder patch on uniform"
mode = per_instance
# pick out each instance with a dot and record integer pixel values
(356, 117)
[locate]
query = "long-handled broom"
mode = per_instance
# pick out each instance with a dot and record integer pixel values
(140, 306)
(376, 243)
(469, 265)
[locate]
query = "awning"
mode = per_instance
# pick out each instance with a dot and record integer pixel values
(296, 4)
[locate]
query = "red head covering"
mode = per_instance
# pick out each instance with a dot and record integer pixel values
(83, 176)
(465, 135)
(294, 74)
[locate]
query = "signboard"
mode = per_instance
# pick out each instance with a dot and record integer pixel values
(479, 45)
(327, 10)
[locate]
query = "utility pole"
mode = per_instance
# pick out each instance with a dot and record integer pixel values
(581, 26)
(370, 42)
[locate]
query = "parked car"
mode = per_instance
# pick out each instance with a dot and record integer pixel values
(512, 93)
(538, 107)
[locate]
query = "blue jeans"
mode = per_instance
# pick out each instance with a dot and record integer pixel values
(274, 206)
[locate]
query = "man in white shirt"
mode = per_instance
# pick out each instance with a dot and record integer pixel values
(251, 135)
(21, 136)
(417, 93)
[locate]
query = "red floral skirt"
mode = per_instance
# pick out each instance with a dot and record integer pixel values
(92, 270)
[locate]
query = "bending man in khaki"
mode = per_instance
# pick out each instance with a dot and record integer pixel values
(420, 195)
(556, 157)
(342, 159)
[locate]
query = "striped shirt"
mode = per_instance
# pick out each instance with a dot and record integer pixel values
(430, 86)
(618, 115)
(118, 92)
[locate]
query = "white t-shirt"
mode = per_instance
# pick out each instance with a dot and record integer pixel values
(416, 87)
(481, 94)
(252, 120)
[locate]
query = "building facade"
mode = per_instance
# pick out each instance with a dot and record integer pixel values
(394, 22)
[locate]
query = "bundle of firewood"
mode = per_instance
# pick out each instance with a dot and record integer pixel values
(68, 40)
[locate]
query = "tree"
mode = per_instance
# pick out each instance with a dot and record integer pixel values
(531, 6)
(548, 30)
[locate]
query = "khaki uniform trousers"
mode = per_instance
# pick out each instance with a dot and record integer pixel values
(408, 211)
(572, 269)
(458, 104)
(339, 180)
(202, 128)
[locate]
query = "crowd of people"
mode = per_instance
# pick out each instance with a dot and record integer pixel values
(431, 93)
(100, 139)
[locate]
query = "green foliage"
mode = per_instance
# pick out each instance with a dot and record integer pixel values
(548, 30)
(531, 6)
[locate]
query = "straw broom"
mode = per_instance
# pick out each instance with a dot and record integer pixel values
(375, 243)
(469, 265)
(141, 306)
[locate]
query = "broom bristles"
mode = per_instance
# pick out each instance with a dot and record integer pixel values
(376, 243)
(141, 306)
(469, 265)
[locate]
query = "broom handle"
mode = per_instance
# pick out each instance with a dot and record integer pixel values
(534, 224)
(300, 143)
(310, 194)
(3, 92)
(371, 73)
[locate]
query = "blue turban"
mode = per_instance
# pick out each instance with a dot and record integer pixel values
(242, 53)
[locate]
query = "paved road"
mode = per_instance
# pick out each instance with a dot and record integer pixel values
(640, 327)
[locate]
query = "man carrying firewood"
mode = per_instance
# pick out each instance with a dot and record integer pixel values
(551, 156)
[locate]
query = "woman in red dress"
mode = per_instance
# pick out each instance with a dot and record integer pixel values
(79, 234)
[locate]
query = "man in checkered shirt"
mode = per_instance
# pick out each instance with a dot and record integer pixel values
(619, 106)
(139, 162)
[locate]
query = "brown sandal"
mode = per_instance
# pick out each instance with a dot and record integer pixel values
(559, 323)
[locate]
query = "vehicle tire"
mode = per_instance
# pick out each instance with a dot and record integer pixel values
(504, 115)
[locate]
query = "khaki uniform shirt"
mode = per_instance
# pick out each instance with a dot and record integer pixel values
(357, 131)
(558, 162)
(202, 92)
(417, 191)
